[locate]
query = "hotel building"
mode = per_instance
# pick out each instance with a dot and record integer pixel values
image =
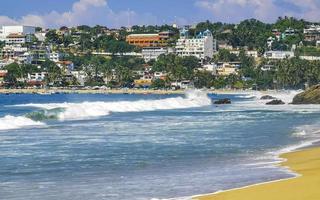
(150, 40)
(202, 46)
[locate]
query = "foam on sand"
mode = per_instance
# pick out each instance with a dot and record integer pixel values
(11, 122)
(306, 163)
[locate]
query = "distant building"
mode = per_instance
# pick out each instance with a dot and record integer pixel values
(186, 84)
(310, 58)
(15, 39)
(150, 40)
(279, 54)
(41, 36)
(17, 54)
(253, 54)
(152, 53)
(22, 30)
(81, 76)
(67, 66)
(3, 74)
(202, 46)
(209, 68)
(290, 32)
(224, 45)
(270, 41)
(312, 33)
(227, 68)
(54, 56)
(268, 68)
(160, 75)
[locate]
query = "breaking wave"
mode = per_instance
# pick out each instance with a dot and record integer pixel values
(11, 122)
(45, 114)
(75, 111)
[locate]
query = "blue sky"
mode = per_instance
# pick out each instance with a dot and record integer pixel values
(115, 13)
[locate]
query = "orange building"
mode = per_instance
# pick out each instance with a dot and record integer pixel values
(149, 40)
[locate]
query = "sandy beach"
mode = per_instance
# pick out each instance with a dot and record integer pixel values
(305, 186)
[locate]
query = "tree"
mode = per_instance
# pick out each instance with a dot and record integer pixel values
(55, 74)
(158, 83)
(52, 37)
(203, 79)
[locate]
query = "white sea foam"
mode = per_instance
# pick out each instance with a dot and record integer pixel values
(300, 133)
(73, 111)
(252, 101)
(11, 122)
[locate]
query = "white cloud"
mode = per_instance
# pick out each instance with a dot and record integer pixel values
(88, 12)
(266, 10)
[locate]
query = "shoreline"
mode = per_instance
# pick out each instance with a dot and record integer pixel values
(120, 91)
(290, 159)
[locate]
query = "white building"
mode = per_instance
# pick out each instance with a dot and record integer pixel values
(227, 68)
(81, 76)
(54, 56)
(16, 53)
(202, 46)
(37, 77)
(312, 29)
(209, 68)
(41, 36)
(152, 53)
(279, 54)
(22, 30)
(310, 58)
(14, 39)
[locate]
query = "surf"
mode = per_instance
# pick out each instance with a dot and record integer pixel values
(11, 122)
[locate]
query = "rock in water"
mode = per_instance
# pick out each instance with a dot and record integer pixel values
(276, 102)
(223, 101)
(310, 96)
(267, 97)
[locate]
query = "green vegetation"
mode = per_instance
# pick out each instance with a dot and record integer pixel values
(80, 44)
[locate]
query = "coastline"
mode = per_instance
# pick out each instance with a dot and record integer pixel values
(304, 162)
(111, 91)
(89, 91)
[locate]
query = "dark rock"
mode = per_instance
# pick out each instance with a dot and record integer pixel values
(310, 96)
(276, 102)
(267, 97)
(222, 101)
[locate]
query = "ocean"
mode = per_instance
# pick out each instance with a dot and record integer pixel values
(143, 147)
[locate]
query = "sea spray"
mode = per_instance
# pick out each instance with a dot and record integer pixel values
(12, 122)
(85, 110)
(51, 114)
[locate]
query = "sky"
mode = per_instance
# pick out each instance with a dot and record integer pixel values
(117, 13)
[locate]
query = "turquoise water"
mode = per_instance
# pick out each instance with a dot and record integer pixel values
(71, 146)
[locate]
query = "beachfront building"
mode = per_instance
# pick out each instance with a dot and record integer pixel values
(202, 46)
(3, 74)
(67, 66)
(279, 54)
(150, 40)
(185, 84)
(227, 68)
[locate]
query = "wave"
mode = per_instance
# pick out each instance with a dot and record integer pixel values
(11, 122)
(45, 114)
(75, 111)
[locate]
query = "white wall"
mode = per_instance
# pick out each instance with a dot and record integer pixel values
(6, 30)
